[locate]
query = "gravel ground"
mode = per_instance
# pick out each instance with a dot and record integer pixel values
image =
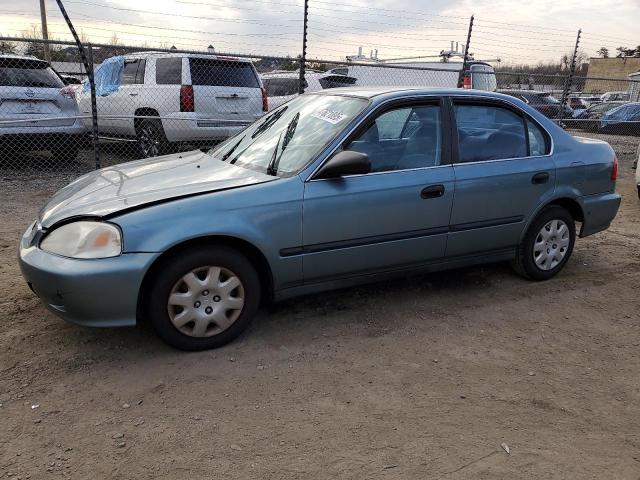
(422, 377)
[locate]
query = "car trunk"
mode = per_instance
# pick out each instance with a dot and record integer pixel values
(225, 91)
(36, 105)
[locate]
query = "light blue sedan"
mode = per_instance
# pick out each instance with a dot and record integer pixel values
(330, 190)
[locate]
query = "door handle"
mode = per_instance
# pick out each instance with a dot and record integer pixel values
(539, 178)
(133, 94)
(432, 191)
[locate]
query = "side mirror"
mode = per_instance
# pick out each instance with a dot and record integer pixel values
(346, 162)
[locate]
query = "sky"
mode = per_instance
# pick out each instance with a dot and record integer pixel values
(514, 32)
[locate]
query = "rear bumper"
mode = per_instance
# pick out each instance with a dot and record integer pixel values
(96, 293)
(202, 129)
(41, 129)
(599, 211)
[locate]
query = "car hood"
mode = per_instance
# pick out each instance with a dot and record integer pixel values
(143, 182)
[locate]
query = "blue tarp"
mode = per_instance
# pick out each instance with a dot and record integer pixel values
(107, 76)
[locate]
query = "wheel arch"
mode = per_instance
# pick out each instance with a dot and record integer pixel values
(253, 253)
(569, 204)
(143, 112)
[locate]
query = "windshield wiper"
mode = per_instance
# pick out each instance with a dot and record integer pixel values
(268, 122)
(272, 168)
(228, 154)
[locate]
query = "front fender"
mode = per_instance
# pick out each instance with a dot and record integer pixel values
(268, 216)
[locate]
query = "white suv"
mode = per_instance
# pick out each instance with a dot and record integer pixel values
(164, 98)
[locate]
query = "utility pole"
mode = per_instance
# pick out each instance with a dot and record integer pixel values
(466, 55)
(569, 79)
(45, 32)
(303, 58)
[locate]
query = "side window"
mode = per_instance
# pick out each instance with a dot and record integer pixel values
(130, 72)
(487, 132)
(537, 140)
(402, 138)
(169, 71)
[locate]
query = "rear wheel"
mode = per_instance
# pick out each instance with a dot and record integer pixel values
(151, 139)
(203, 299)
(547, 245)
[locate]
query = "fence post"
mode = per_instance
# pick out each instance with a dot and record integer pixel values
(303, 58)
(92, 82)
(569, 80)
(466, 55)
(94, 109)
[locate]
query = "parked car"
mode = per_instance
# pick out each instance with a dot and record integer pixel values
(589, 119)
(37, 111)
(615, 97)
(544, 102)
(577, 104)
(333, 189)
(283, 86)
(164, 98)
(624, 120)
(479, 76)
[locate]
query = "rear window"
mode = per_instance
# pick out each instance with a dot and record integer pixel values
(222, 73)
(169, 71)
(282, 87)
(28, 73)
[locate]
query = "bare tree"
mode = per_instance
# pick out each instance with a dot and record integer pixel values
(603, 52)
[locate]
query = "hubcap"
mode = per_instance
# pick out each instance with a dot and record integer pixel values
(149, 143)
(206, 301)
(551, 244)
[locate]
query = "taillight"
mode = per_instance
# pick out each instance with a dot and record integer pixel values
(265, 100)
(68, 92)
(186, 98)
(614, 169)
(466, 82)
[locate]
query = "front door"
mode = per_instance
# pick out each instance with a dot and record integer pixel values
(503, 173)
(396, 216)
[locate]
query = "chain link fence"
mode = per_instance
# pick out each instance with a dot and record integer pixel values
(153, 102)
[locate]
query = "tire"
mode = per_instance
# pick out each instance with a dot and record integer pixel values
(531, 261)
(208, 299)
(151, 139)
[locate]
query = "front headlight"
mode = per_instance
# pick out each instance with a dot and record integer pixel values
(84, 239)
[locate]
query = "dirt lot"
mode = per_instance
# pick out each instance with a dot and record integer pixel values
(417, 378)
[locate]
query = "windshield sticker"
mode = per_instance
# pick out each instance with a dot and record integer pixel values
(330, 116)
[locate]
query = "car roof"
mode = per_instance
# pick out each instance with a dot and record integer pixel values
(152, 53)
(524, 92)
(391, 92)
(22, 57)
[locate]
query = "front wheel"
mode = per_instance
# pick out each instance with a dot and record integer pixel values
(203, 299)
(547, 245)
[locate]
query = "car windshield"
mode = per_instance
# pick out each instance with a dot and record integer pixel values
(284, 141)
(625, 112)
(18, 72)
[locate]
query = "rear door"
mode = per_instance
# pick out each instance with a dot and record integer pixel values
(116, 110)
(30, 90)
(225, 89)
(503, 172)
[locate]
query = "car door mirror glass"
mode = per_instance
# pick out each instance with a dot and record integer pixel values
(346, 162)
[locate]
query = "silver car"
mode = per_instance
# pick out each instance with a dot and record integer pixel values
(37, 110)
